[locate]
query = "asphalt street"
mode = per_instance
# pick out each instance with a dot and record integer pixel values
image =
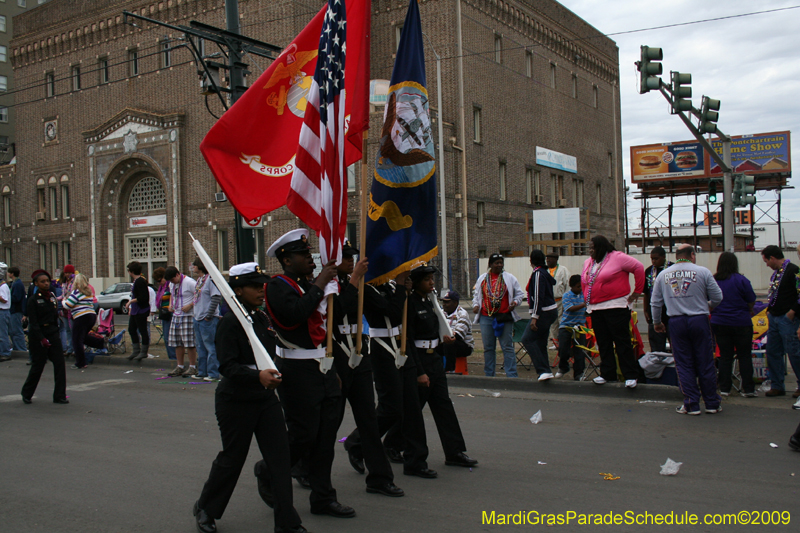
(131, 452)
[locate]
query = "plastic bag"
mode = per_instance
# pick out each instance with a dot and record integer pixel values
(670, 468)
(537, 417)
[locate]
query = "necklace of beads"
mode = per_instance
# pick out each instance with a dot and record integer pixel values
(683, 261)
(593, 277)
(775, 282)
(198, 288)
(493, 295)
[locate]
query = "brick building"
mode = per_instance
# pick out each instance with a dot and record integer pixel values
(110, 118)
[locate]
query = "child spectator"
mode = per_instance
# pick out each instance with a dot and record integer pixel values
(574, 315)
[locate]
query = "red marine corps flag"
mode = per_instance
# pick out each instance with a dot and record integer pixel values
(252, 150)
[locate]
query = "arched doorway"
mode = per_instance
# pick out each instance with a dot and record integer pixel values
(146, 235)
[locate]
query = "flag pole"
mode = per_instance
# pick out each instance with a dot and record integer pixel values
(362, 239)
(329, 347)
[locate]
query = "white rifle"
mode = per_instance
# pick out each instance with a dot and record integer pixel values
(263, 360)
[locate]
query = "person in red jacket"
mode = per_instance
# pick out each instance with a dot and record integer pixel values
(606, 289)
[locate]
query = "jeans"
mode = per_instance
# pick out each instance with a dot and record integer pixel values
(16, 333)
(782, 339)
(204, 333)
(165, 325)
(738, 339)
(535, 342)
(490, 344)
(5, 343)
(66, 333)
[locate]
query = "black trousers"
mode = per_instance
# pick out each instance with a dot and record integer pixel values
(452, 351)
(567, 349)
(238, 422)
(738, 340)
(658, 341)
(357, 388)
(310, 402)
(137, 325)
(612, 330)
(438, 397)
(81, 327)
(39, 357)
(399, 407)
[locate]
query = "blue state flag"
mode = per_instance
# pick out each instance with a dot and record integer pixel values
(401, 222)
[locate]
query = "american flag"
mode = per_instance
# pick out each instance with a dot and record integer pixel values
(318, 194)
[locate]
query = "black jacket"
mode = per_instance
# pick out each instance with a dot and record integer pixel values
(42, 316)
(423, 324)
(239, 382)
(384, 301)
(787, 293)
(290, 311)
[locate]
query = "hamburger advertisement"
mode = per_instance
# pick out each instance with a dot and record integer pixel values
(665, 162)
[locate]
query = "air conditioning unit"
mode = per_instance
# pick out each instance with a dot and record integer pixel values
(219, 196)
(538, 199)
(39, 215)
(562, 203)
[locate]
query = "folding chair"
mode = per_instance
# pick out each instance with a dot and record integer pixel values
(519, 329)
(116, 344)
(589, 349)
(159, 328)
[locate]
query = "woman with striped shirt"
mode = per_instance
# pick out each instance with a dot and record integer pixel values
(80, 303)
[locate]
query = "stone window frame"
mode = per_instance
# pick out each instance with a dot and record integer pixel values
(103, 70)
(52, 197)
(64, 189)
(6, 193)
(41, 196)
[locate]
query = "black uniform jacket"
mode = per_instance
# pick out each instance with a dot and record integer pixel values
(423, 324)
(42, 316)
(346, 302)
(290, 311)
(385, 300)
(239, 382)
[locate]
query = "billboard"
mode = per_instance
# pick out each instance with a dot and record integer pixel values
(668, 162)
(760, 153)
(556, 220)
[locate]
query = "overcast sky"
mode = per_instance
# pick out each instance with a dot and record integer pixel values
(749, 63)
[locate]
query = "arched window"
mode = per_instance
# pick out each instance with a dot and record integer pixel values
(147, 195)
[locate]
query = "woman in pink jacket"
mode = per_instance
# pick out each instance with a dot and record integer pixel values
(607, 291)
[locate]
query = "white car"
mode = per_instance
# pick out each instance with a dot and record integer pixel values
(116, 297)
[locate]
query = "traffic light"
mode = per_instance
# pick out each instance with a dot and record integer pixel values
(708, 115)
(712, 192)
(681, 92)
(744, 189)
(649, 69)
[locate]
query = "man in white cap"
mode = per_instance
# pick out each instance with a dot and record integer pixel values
(310, 397)
(246, 405)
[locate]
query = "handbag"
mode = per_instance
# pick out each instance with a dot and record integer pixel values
(163, 314)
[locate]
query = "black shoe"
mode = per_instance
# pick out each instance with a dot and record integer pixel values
(4, 359)
(205, 524)
(387, 489)
(264, 485)
(303, 481)
(63, 401)
(336, 509)
(426, 473)
(395, 456)
(794, 444)
(26, 400)
(356, 461)
(296, 529)
(461, 459)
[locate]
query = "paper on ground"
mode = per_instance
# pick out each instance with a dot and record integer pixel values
(536, 418)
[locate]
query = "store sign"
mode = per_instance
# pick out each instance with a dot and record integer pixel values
(552, 159)
(556, 220)
(146, 222)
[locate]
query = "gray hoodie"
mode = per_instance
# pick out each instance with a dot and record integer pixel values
(686, 289)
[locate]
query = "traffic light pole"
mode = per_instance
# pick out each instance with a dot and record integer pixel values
(236, 46)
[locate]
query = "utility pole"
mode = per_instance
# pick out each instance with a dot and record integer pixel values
(237, 46)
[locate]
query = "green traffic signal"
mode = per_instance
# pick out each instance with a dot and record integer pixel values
(681, 92)
(649, 69)
(708, 115)
(712, 193)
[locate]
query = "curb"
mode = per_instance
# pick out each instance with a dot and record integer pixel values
(583, 388)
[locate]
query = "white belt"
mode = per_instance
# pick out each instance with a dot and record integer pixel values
(252, 366)
(427, 344)
(351, 329)
(384, 332)
(287, 353)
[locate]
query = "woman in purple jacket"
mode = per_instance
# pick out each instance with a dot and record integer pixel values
(732, 324)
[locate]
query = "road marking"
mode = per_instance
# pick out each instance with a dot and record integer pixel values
(74, 388)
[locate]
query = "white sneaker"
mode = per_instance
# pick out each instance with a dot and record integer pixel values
(714, 411)
(797, 404)
(723, 394)
(599, 380)
(545, 376)
(631, 383)
(559, 374)
(681, 410)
